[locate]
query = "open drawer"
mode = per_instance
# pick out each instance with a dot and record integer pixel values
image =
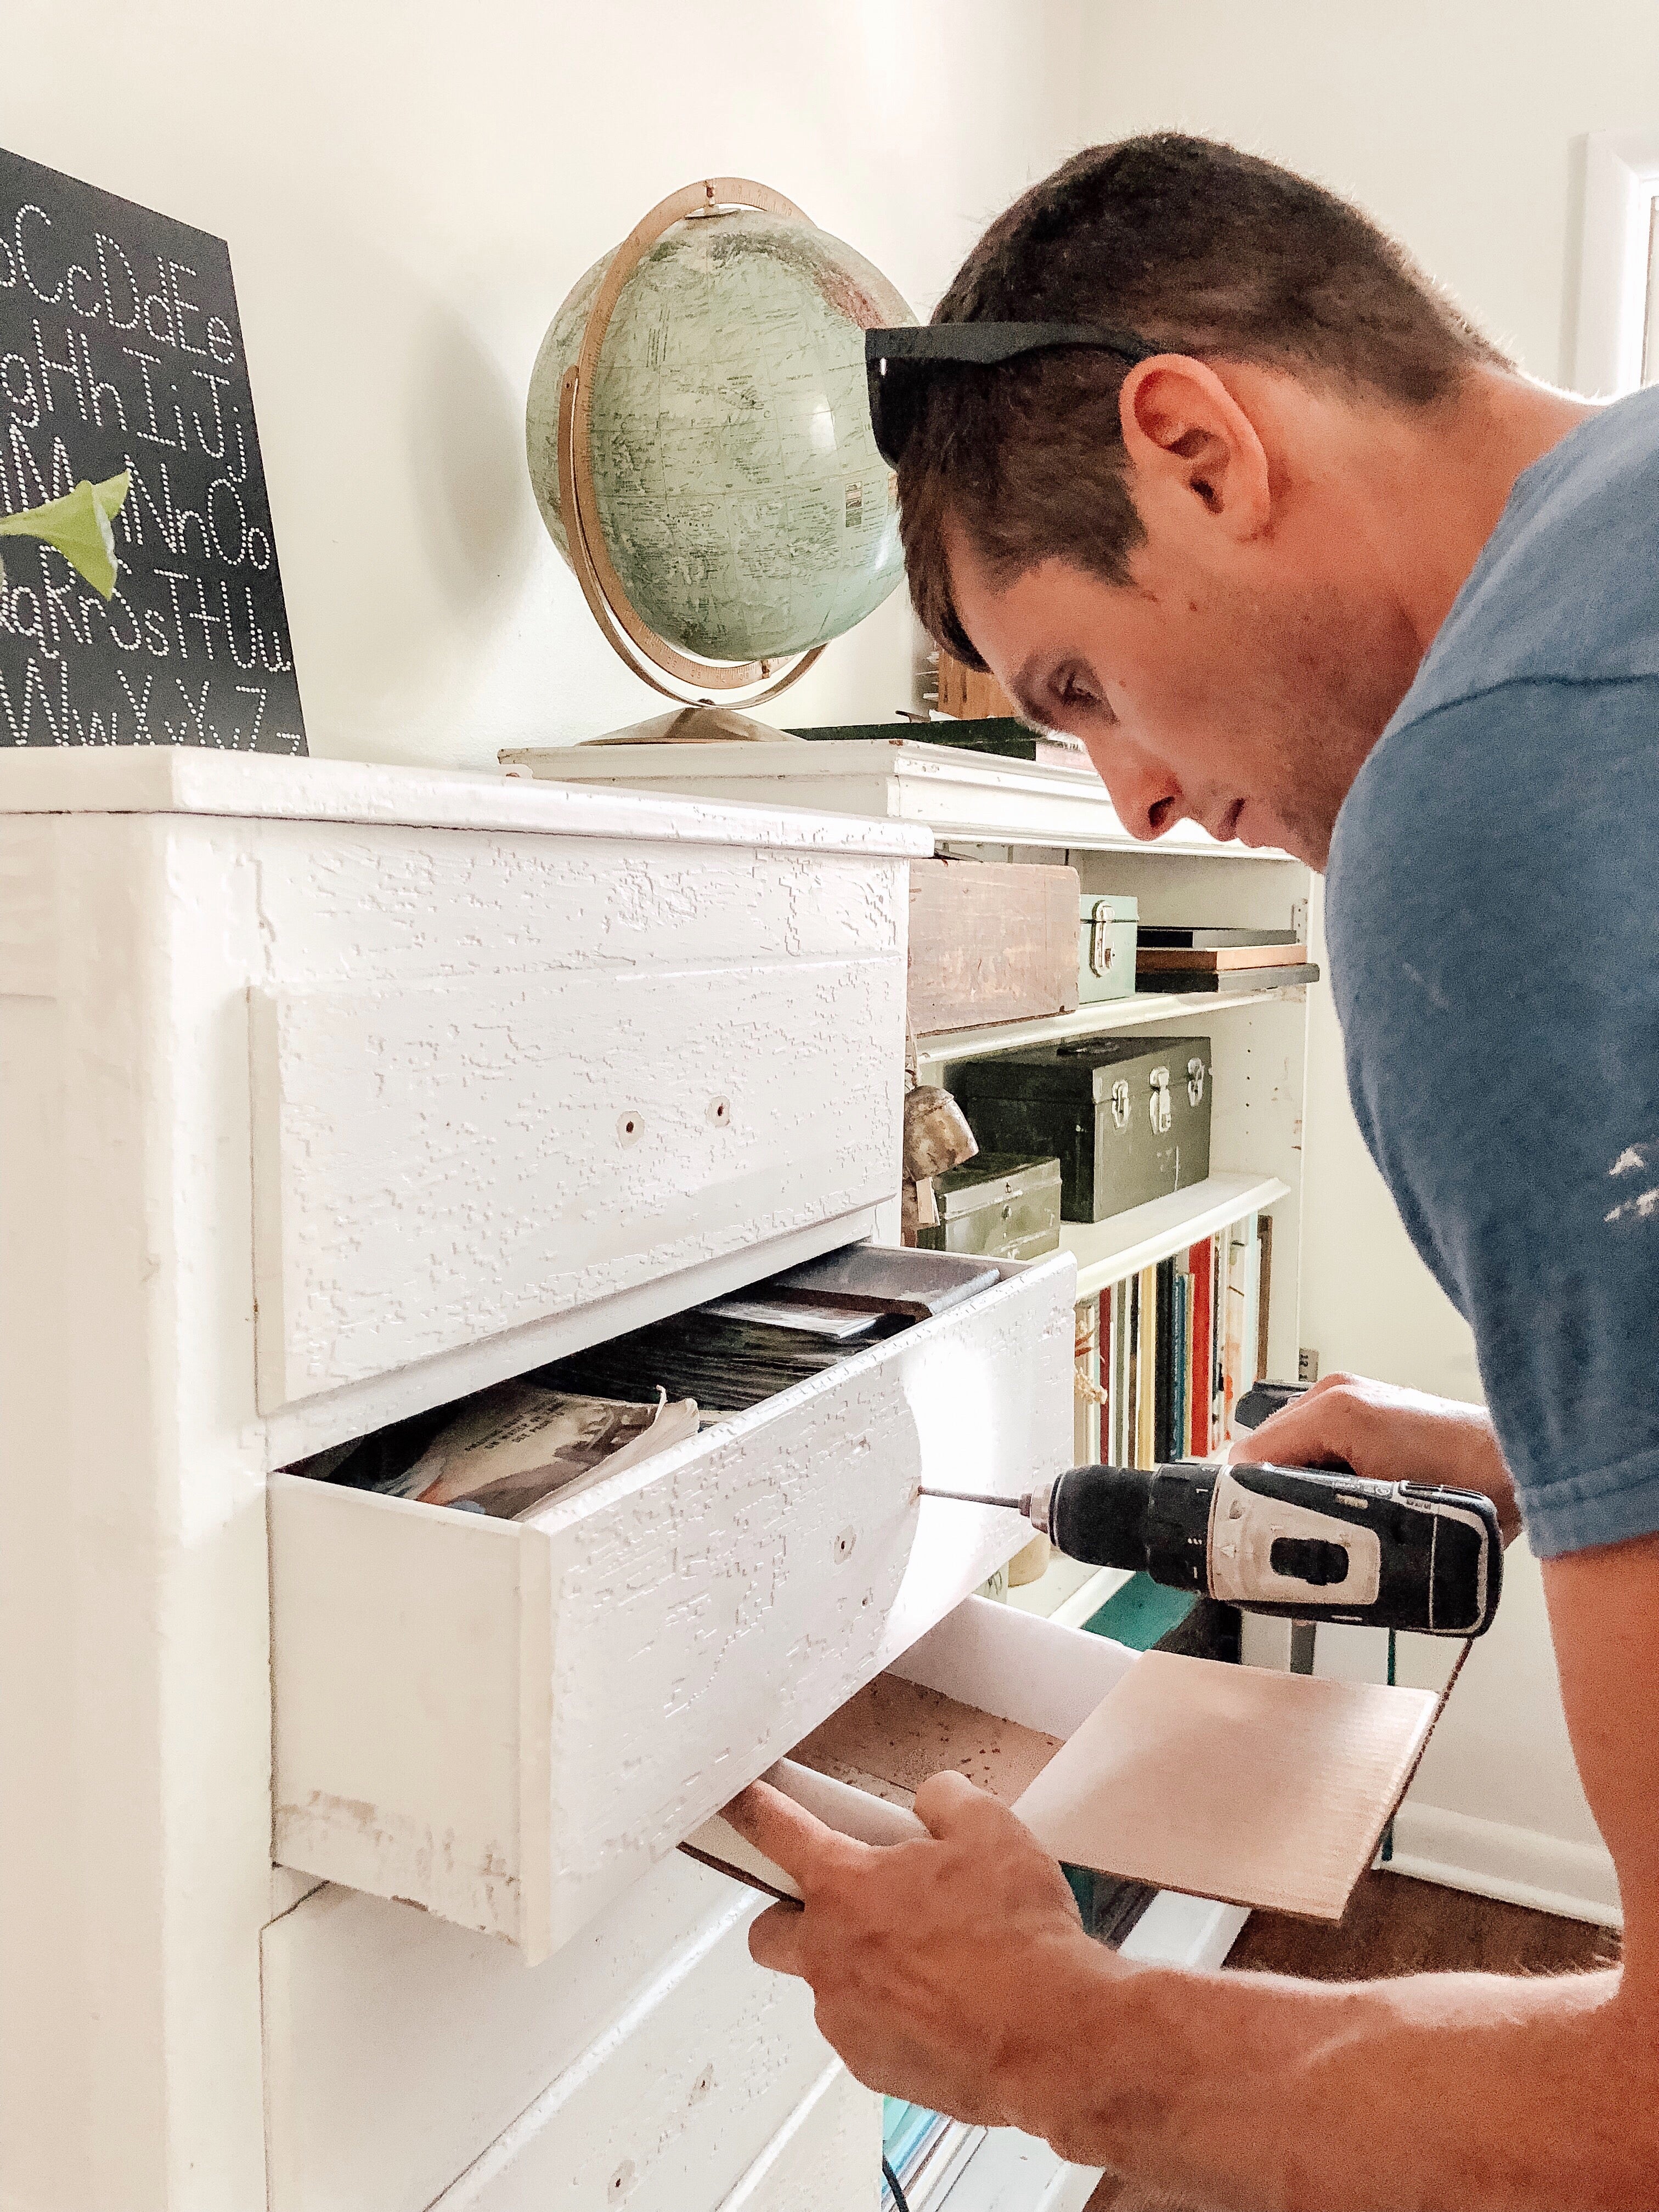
(506, 1722)
(1242, 1783)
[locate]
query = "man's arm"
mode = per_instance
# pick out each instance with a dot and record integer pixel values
(955, 1972)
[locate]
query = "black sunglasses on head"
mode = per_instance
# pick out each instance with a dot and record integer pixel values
(897, 362)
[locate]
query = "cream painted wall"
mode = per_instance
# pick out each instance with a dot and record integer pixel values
(1461, 129)
(409, 192)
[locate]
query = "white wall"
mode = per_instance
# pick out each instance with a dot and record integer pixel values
(1461, 127)
(409, 192)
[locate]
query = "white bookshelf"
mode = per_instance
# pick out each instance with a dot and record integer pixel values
(1106, 1251)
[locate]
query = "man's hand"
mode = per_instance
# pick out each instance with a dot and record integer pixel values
(942, 1968)
(1388, 1435)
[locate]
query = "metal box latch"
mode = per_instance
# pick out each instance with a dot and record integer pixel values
(1159, 1080)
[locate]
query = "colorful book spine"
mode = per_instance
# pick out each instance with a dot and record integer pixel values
(1146, 1372)
(1199, 1260)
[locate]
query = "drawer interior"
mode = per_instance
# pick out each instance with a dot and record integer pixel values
(1245, 1784)
(506, 1716)
(508, 1450)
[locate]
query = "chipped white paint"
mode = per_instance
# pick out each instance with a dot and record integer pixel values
(508, 1722)
(145, 899)
(374, 2014)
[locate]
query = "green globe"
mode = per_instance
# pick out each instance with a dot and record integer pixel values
(744, 504)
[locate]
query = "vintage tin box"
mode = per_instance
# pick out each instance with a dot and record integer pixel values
(1001, 1206)
(1127, 1117)
(1106, 946)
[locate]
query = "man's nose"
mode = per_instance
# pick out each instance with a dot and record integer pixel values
(1147, 796)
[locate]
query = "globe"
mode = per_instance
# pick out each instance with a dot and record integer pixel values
(743, 508)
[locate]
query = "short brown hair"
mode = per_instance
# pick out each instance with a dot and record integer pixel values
(1198, 248)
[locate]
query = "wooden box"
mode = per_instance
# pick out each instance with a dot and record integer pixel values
(990, 941)
(1127, 1117)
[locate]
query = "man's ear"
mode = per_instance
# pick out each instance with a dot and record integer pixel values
(1192, 445)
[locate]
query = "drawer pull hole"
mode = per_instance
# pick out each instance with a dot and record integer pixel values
(628, 1127)
(704, 2082)
(845, 1542)
(720, 1111)
(620, 2183)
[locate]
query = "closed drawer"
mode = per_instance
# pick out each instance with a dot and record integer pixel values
(825, 2157)
(667, 2112)
(398, 2047)
(439, 1164)
(508, 1722)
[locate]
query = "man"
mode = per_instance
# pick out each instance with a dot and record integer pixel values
(1303, 557)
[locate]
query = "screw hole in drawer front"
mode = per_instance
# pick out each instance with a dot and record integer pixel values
(620, 2183)
(436, 1164)
(844, 1543)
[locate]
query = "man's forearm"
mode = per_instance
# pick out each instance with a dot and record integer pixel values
(1253, 2092)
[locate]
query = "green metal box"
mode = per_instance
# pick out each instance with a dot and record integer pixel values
(1106, 946)
(1001, 1206)
(1127, 1117)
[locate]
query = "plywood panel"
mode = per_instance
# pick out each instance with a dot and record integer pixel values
(1236, 1782)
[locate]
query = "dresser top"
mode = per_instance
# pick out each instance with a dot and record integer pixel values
(185, 780)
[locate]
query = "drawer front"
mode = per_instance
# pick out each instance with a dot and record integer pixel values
(667, 2112)
(825, 2157)
(397, 2048)
(508, 1722)
(434, 1164)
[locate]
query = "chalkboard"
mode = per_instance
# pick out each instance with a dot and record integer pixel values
(121, 349)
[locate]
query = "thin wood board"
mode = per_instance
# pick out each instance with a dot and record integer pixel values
(893, 1735)
(1237, 1782)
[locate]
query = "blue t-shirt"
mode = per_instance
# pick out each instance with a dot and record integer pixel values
(1494, 918)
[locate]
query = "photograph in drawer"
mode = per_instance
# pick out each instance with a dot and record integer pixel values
(506, 1716)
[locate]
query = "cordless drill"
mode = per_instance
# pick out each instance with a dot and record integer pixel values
(1305, 1543)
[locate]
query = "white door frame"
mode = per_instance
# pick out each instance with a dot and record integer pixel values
(1621, 179)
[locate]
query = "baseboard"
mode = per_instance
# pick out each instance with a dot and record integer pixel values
(1518, 1865)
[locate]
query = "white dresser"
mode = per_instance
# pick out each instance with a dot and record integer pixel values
(336, 1848)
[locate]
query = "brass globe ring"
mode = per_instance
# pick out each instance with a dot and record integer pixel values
(679, 675)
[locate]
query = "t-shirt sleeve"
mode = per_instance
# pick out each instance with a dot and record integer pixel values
(1494, 917)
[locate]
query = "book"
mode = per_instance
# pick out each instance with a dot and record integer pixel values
(1203, 960)
(1163, 1426)
(1204, 937)
(1001, 735)
(1218, 980)
(1120, 1374)
(1200, 1259)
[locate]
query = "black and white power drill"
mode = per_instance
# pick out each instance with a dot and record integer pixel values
(1309, 1544)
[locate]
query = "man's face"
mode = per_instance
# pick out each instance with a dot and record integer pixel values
(1237, 686)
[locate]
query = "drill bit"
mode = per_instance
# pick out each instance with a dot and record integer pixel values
(975, 1498)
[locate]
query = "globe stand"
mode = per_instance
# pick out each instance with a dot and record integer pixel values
(681, 676)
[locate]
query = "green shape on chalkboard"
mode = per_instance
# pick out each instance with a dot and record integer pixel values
(78, 526)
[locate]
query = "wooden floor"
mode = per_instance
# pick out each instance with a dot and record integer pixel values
(1395, 1926)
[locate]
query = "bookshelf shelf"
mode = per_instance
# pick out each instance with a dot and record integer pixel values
(1106, 1251)
(1145, 1010)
